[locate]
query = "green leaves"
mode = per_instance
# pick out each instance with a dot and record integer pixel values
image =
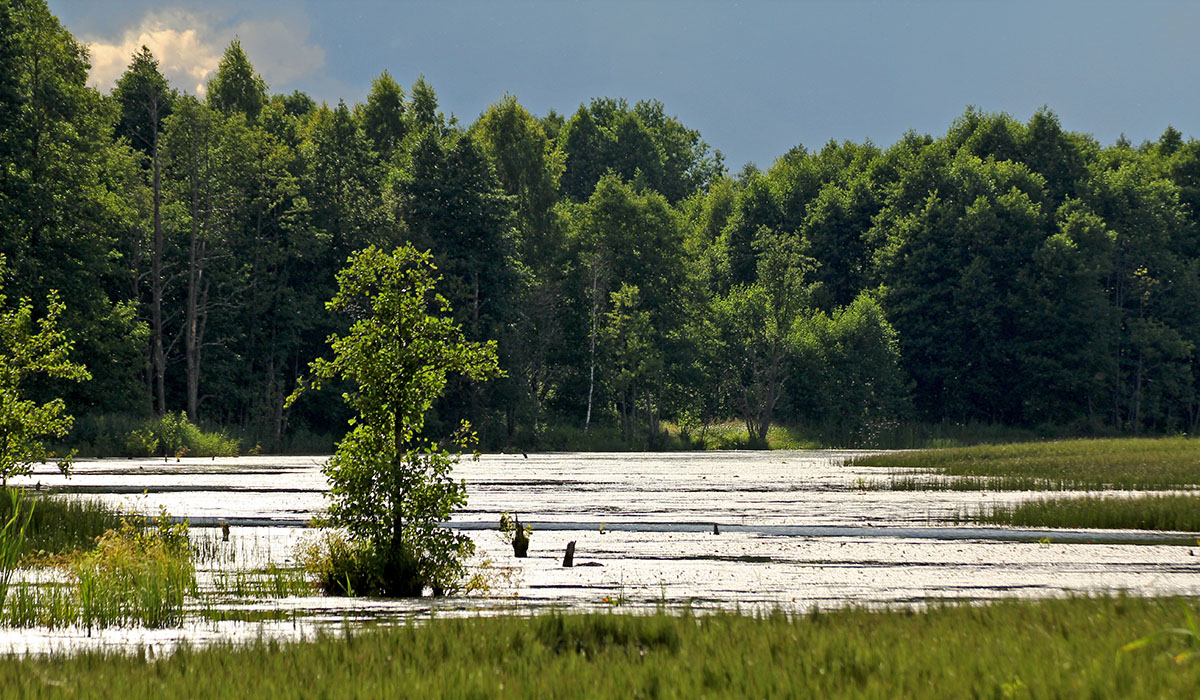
(236, 87)
(29, 348)
(390, 484)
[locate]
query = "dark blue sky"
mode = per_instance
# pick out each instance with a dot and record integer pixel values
(756, 78)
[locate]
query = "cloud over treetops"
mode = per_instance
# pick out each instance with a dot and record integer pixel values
(188, 47)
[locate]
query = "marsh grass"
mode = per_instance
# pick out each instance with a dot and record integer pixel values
(270, 581)
(135, 574)
(12, 538)
(1145, 512)
(1124, 464)
(1054, 648)
(210, 548)
(61, 524)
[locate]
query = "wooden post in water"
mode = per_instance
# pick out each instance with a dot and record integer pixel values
(520, 540)
(569, 557)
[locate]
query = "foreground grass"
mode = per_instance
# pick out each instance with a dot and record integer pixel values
(1058, 648)
(1130, 463)
(1152, 512)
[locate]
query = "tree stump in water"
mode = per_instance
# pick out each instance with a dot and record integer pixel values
(520, 541)
(569, 557)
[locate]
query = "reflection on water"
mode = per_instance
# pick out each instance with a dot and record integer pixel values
(795, 532)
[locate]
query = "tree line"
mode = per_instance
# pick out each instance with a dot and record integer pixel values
(1004, 272)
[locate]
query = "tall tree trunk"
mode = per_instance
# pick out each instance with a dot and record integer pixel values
(195, 311)
(158, 357)
(592, 358)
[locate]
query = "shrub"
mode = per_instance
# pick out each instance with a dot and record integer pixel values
(135, 573)
(175, 436)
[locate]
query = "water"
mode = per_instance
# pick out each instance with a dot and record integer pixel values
(797, 530)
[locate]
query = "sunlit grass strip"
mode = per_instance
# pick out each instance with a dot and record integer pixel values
(1057, 648)
(1149, 512)
(1131, 463)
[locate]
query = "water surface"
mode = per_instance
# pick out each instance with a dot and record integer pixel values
(797, 529)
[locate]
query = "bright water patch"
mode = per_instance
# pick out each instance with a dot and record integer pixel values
(797, 530)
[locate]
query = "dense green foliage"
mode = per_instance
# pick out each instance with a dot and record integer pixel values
(1007, 273)
(1055, 648)
(1128, 464)
(29, 350)
(1142, 512)
(390, 484)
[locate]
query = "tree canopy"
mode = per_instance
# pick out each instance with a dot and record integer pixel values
(1004, 271)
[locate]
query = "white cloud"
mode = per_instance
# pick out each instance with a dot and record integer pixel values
(188, 47)
(279, 48)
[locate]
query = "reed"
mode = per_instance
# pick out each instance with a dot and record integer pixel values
(12, 538)
(135, 575)
(60, 524)
(270, 581)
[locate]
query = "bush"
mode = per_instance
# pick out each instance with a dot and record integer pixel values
(342, 567)
(176, 436)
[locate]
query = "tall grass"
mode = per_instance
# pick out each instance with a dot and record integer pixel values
(1056, 648)
(270, 581)
(1129, 463)
(60, 524)
(12, 538)
(136, 574)
(1146, 512)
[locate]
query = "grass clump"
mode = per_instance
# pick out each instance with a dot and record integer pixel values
(135, 574)
(1054, 648)
(1147, 512)
(1127, 464)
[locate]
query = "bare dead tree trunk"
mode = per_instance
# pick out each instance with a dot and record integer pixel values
(592, 361)
(158, 357)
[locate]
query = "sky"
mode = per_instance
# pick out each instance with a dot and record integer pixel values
(756, 78)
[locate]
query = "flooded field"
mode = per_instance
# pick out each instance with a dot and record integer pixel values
(796, 530)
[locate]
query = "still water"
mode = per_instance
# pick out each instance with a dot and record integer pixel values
(797, 529)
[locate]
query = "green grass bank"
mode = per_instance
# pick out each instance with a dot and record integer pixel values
(1126, 463)
(1056, 648)
(1148, 512)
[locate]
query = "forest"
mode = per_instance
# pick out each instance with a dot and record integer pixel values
(1006, 272)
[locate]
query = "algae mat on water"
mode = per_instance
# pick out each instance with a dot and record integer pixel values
(1055, 648)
